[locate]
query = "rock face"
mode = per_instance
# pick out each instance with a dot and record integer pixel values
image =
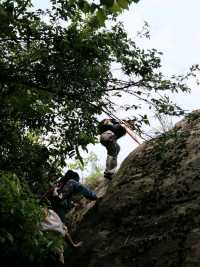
(150, 214)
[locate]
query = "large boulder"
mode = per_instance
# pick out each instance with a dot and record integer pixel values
(150, 214)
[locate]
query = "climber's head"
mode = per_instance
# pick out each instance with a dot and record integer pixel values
(70, 175)
(102, 127)
(105, 122)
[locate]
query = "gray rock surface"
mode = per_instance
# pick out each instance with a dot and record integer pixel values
(150, 213)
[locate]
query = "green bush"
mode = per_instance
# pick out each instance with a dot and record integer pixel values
(21, 241)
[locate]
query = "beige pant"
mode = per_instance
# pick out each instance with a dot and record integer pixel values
(109, 140)
(52, 222)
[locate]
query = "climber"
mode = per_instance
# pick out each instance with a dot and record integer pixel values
(110, 131)
(52, 222)
(68, 186)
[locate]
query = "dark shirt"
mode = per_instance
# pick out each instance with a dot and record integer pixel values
(65, 204)
(73, 187)
(115, 127)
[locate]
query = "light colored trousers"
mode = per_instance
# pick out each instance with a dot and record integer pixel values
(52, 222)
(109, 140)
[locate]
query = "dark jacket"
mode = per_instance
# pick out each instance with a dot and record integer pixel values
(73, 187)
(115, 127)
(64, 204)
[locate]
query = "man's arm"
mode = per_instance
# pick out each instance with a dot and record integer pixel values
(86, 192)
(69, 239)
(118, 129)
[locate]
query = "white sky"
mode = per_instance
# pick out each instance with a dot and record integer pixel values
(174, 28)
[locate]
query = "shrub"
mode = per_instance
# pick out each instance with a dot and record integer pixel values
(21, 241)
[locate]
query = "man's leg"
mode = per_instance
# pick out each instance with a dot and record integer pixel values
(108, 139)
(111, 162)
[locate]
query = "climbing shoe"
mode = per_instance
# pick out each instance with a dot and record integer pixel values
(108, 175)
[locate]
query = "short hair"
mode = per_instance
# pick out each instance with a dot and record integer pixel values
(70, 175)
(102, 127)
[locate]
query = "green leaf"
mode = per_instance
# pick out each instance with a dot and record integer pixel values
(107, 3)
(93, 7)
(116, 8)
(101, 16)
(86, 7)
(10, 238)
(49, 244)
(123, 3)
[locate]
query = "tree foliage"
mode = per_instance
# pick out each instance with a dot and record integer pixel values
(21, 241)
(56, 77)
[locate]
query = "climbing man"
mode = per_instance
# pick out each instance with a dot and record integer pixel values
(68, 186)
(110, 131)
